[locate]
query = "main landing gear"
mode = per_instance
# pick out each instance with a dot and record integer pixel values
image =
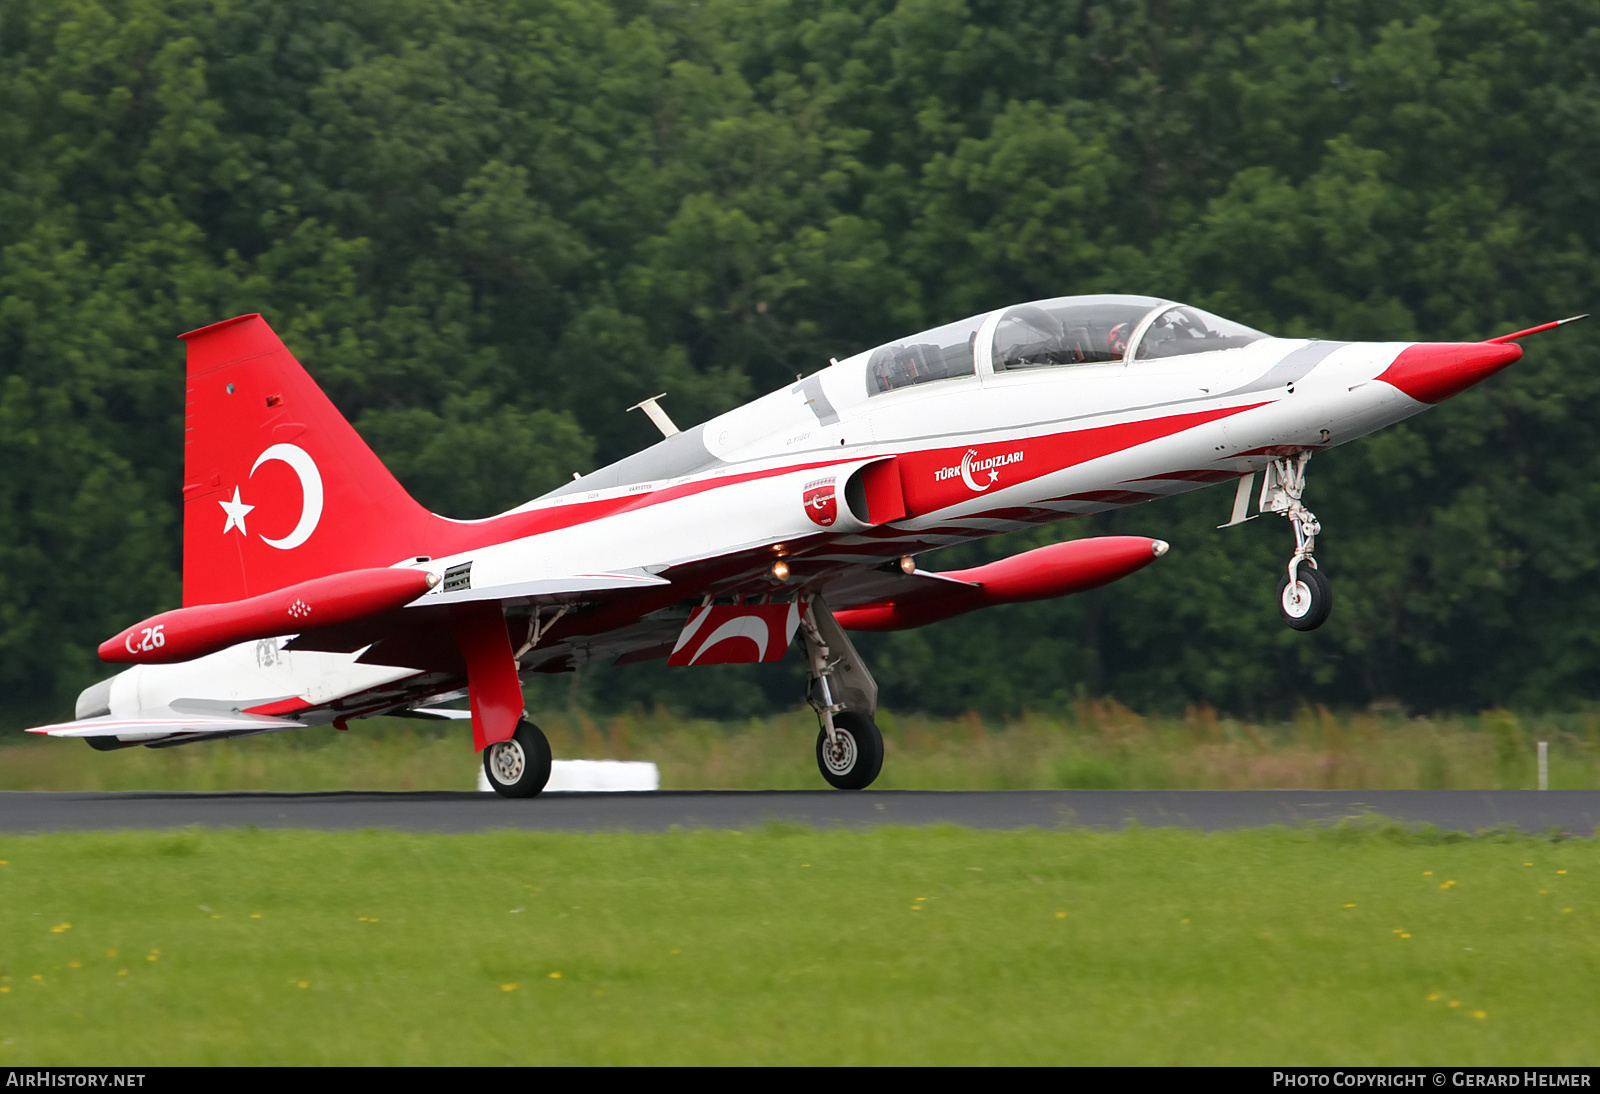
(845, 697)
(852, 758)
(519, 767)
(1304, 596)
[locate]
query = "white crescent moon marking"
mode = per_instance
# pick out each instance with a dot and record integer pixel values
(310, 486)
(695, 623)
(966, 473)
(745, 626)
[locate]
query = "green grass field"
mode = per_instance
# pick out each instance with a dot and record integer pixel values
(1361, 944)
(1099, 745)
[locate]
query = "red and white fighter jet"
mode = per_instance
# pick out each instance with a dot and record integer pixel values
(316, 590)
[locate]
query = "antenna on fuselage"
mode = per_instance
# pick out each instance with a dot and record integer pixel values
(653, 411)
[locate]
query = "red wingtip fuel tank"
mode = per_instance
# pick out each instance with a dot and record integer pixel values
(1431, 372)
(1040, 574)
(185, 633)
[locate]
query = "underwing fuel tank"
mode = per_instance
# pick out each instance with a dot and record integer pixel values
(1040, 574)
(186, 633)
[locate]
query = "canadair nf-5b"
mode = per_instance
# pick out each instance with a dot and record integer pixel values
(315, 590)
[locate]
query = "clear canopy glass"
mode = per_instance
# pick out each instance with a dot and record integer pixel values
(1078, 330)
(1180, 329)
(1070, 330)
(936, 354)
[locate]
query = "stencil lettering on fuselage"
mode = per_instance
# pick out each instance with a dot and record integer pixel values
(937, 478)
(978, 474)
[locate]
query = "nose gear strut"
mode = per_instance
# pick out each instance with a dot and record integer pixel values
(1304, 595)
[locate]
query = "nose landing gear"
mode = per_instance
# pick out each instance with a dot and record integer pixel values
(1304, 595)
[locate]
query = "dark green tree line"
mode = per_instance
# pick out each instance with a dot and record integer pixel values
(488, 226)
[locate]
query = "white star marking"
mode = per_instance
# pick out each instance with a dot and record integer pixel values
(236, 510)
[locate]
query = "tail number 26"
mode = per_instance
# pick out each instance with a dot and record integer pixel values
(150, 638)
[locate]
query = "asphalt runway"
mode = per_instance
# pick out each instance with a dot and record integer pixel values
(1572, 811)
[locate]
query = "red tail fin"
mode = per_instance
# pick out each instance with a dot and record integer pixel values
(278, 487)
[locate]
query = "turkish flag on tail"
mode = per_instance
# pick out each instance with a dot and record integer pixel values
(278, 487)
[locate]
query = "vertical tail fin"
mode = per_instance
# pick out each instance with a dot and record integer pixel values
(278, 486)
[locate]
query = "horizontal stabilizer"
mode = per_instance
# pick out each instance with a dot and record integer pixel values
(166, 725)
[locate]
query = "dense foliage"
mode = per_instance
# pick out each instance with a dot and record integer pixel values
(487, 226)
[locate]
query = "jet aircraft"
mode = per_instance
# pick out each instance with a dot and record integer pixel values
(317, 591)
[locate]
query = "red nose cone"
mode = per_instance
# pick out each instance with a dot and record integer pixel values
(1431, 372)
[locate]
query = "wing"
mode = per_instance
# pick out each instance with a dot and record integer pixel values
(870, 585)
(402, 632)
(554, 590)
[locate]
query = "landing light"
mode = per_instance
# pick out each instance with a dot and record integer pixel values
(780, 570)
(908, 565)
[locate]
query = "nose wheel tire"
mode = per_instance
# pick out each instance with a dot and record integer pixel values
(520, 767)
(856, 756)
(1306, 603)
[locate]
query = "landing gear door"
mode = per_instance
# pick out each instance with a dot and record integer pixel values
(850, 685)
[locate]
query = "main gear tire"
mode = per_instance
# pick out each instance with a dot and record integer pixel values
(856, 757)
(1305, 604)
(518, 767)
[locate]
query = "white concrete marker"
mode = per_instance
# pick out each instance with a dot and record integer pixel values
(1544, 765)
(574, 776)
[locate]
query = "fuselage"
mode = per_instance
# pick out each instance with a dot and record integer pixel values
(1031, 414)
(976, 453)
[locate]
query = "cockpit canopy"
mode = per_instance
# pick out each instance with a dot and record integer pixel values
(936, 354)
(1069, 330)
(1076, 330)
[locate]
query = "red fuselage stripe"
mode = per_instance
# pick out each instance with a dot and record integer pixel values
(1042, 455)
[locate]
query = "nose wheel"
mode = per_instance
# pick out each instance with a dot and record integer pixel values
(1305, 599)
(1304, 595)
